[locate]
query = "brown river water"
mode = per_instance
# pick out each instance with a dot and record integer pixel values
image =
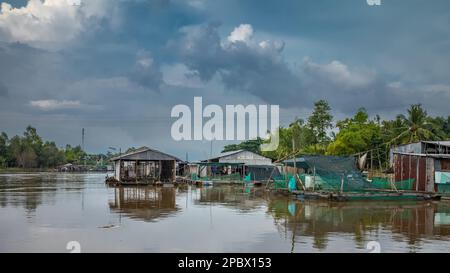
(42, 212)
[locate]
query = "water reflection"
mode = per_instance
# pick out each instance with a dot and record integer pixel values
(44, 211)
(31, 190)
(413, 221)
(144, 203)
(243, 199)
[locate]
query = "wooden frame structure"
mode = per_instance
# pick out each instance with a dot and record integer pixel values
(145, 165)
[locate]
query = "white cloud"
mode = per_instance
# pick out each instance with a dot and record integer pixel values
(48, 23)
(337, 73)
(146, 72)
(242, 33)
(48, 105)
(179, 75)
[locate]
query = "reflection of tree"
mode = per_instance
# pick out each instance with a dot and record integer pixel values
(27, 190)
(145, 203)
(318, 220)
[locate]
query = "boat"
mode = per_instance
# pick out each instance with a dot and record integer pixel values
(366, 196)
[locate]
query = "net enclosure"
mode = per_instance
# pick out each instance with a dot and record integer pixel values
(338, 173)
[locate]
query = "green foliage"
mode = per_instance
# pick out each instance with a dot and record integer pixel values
(355, 135)
(30, 151)
(320, 121)
(74, 155)
(252, 145)
(417, 126)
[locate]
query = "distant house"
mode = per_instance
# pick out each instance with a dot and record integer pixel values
(145, 165)
(69, 167)
(235, 165)
(427, 162)
(241, 156)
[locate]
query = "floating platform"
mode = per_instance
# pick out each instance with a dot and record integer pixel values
(200, 182)
(111, 181)
(366, 196)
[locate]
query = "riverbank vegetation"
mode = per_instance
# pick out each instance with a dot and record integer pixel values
(357, 134)
(31, 152)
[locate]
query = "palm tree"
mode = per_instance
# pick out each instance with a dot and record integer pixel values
(417, 125)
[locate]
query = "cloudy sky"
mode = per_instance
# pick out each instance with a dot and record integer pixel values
(117, 67)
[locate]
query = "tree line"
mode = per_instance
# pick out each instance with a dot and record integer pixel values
(357, 134)
(31, 151)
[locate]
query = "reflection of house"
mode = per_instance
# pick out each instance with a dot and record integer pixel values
(322, 221)
(428, 162)
(145, 164)
(145, 203)
(242, 199)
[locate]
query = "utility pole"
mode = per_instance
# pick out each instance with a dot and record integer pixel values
(210, 152)
(82, 145)
(82, 139)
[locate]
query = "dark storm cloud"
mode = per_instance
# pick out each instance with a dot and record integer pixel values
(146, 72)
(3, 90)
(132, 60)
(259, 68)
(256, 67)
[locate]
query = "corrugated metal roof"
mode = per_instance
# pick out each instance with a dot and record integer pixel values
(424, 155)
(226, 154)
(442, 143)
(145, 153)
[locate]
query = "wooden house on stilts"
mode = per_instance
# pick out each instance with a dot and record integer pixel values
(144, 166)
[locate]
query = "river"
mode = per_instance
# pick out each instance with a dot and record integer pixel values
(43, 212)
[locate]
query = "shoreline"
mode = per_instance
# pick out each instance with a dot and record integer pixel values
(40, 170)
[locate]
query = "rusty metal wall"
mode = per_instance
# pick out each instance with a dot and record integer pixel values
(445, 164)
(410, 166)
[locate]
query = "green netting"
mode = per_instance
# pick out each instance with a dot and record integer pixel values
(281, 181)
(334, 173)
(384, 183)
(225, 177)
(248, 177)
(262, 172)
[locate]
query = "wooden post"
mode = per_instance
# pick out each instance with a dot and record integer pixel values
(371, 162)
(301, 183)
(314, 178)
(401, 167)
(342, 184)
(409, 167)
(174, 171)
(136, 170)
(417, 172)
(159, 171)
(379, 160)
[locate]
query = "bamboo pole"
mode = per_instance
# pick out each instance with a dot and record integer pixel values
(301, 183)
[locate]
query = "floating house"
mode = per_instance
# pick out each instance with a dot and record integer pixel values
(235, 166)
(242, 157)
(427, 162)
(421, 147)
(145, 166)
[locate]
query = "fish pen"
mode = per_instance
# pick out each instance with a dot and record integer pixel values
(338, 178)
